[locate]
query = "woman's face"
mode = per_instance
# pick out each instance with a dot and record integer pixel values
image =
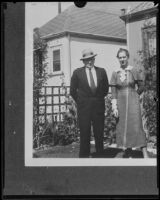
(123, 59)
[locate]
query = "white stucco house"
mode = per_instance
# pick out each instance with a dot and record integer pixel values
(98, 26)
(78, 28)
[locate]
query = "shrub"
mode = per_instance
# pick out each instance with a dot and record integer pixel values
(149, 109)
(110, 121)
(59, 133)
(39, 79)
(67, 130)
(149, 96)
(45, 135)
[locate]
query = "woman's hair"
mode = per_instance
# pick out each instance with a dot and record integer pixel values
(121, 50)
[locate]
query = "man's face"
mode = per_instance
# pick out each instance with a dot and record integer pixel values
(89, 62)
(123, 59)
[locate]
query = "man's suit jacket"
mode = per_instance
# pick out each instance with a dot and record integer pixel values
(81, 91)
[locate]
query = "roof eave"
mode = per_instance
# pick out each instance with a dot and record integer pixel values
(139, 15)
(54, 35)
(84, 35)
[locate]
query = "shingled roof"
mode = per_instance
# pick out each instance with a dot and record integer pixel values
(142, 6)
(140, 12)
(85, 21)
(112, 7)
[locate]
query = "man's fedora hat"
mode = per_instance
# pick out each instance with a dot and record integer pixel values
(87, 53)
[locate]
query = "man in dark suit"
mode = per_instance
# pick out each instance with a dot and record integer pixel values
(89, 86)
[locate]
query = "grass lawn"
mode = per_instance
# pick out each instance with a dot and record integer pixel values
(72, 150)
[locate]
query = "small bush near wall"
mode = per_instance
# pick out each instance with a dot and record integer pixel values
(110, 122)
(67, 131)
(149, 115)
(60, 133)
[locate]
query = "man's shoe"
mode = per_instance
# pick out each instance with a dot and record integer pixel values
(128, 153)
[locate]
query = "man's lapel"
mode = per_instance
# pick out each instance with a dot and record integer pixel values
(85, 80)
(98, 75)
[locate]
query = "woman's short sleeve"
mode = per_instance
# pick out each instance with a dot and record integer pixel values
(139, 80)
(137, 75)
(113, 84)
(113, 80)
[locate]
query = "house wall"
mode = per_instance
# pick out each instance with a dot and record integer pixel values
(55, 78)
(134, 37)
(71, 53)
(106, 53)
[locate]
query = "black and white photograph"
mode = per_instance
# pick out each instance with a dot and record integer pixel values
(90, 84)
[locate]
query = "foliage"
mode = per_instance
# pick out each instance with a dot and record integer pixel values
(59, 132)
(147, 60)
(63, 132)
(39, 65)
(39, 80)
(110, 121)
(148, 98)
(149, 111)
(45, 134)
(67, 130)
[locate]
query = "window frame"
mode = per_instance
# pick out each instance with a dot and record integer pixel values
(56, 61)
(55, 48)
(149, 55)
(145, 39)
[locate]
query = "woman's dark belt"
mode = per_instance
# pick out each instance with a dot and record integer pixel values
(125, 87)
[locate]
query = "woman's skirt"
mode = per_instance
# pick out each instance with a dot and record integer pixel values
(129, 130)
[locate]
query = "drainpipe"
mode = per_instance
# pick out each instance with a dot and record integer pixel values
(127, 28)
(69, 55)
(126, 14)
(59, 7)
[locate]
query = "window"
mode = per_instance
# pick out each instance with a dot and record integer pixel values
(149, 40)
(56, 60)
(149, 49)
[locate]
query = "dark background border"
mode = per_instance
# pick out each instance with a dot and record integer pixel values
(21, 180)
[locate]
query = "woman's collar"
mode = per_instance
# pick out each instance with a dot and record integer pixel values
(129, 67)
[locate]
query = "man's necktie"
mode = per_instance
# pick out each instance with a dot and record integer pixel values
(92, 83)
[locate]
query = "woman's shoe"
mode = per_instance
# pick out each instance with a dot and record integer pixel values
(128, 153)
(145, 155)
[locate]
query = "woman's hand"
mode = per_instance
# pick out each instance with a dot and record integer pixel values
(114, 107)
(115, 112)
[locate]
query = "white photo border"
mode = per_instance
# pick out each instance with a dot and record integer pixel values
(28, 139)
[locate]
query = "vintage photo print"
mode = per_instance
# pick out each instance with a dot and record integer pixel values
(90, 84)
